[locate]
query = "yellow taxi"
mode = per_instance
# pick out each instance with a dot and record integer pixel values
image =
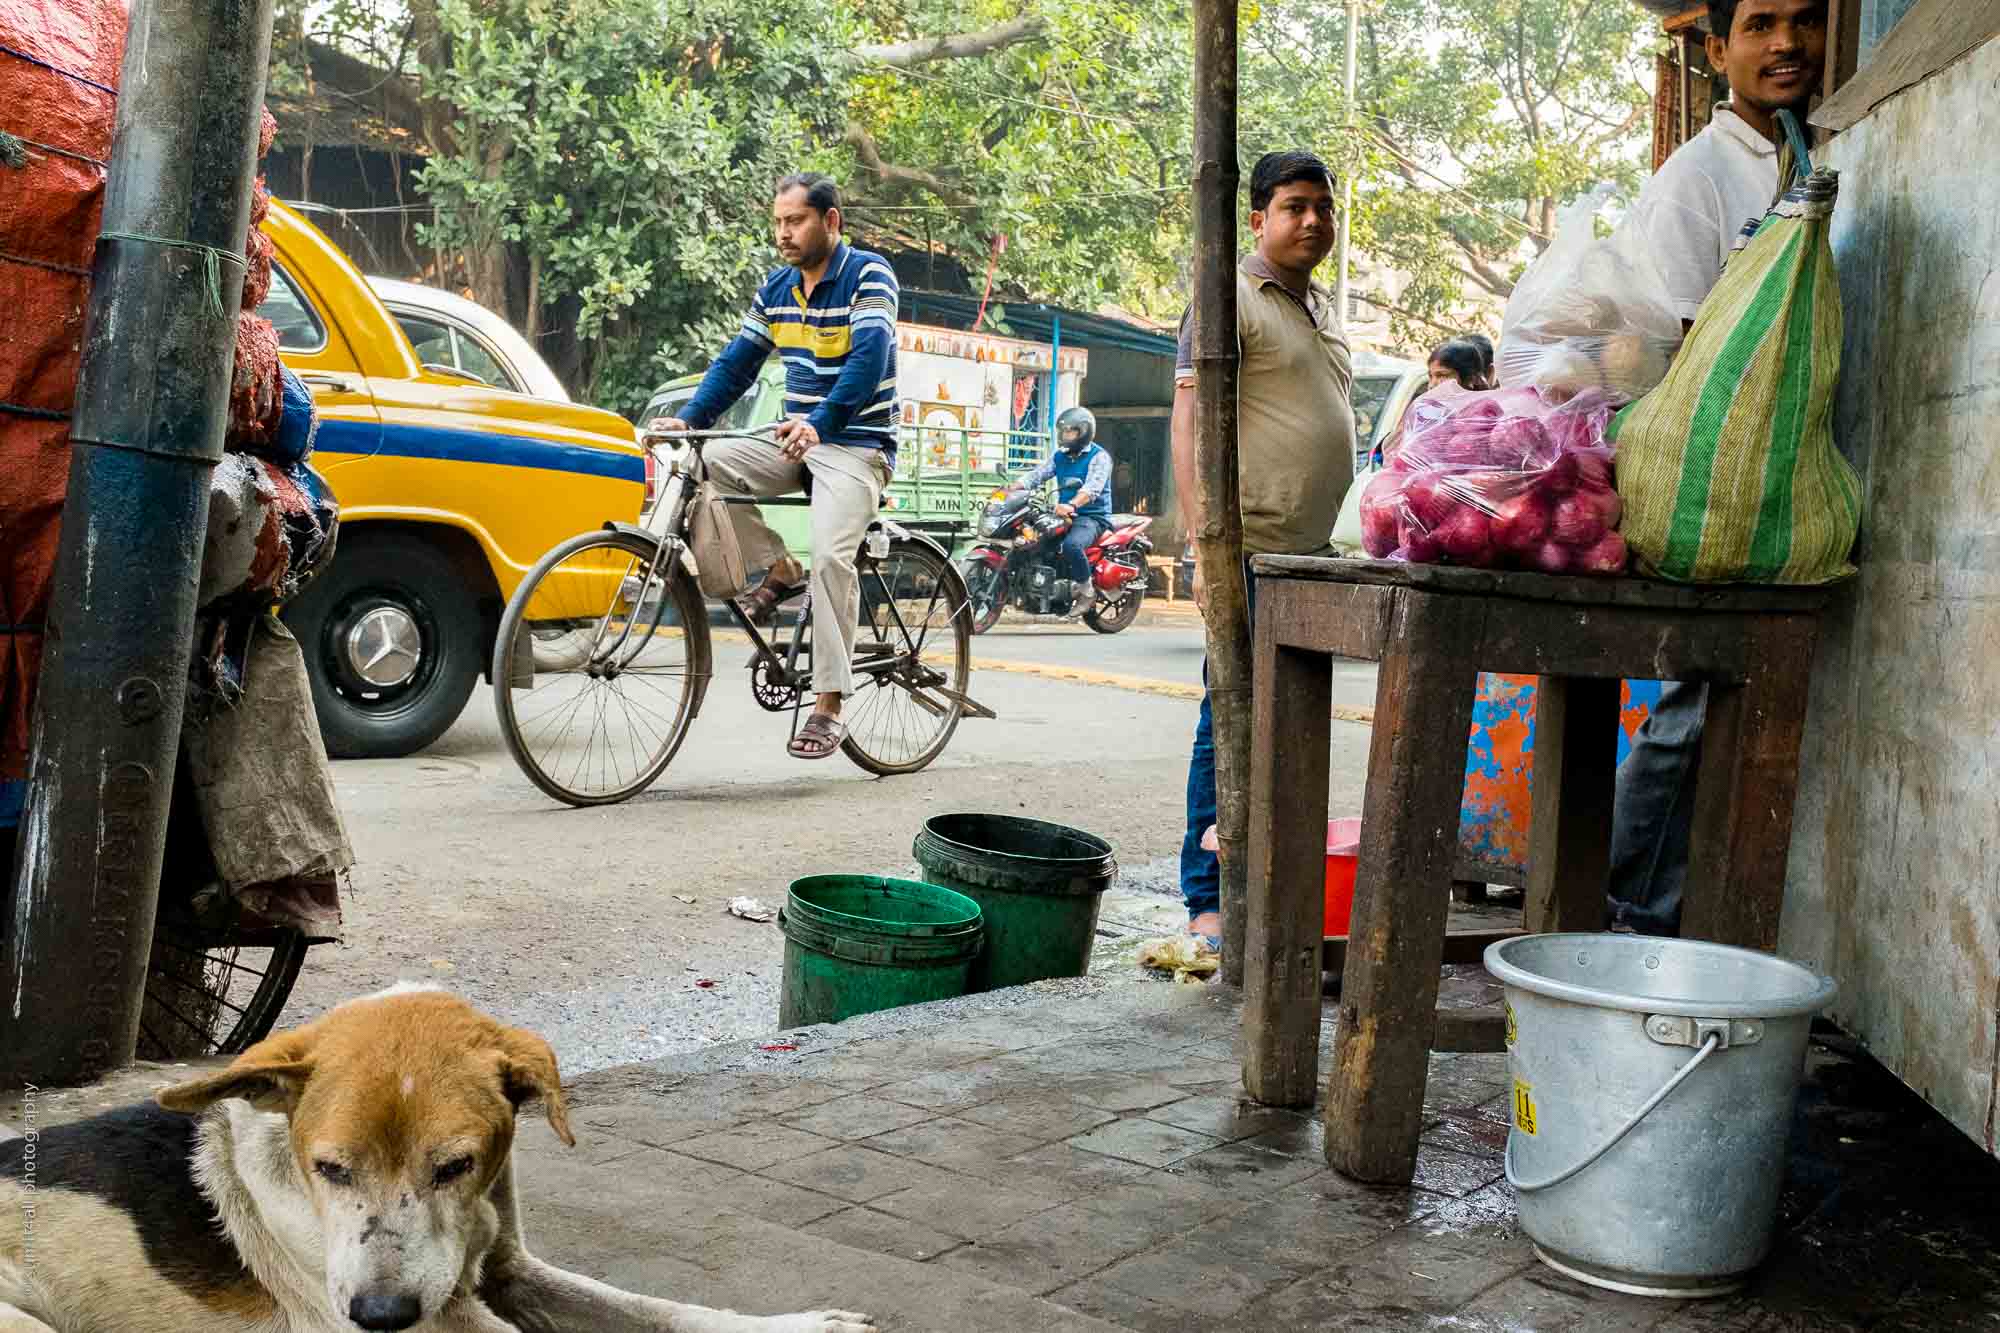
(450, 488)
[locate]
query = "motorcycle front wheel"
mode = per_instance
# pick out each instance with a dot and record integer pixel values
(987, 593)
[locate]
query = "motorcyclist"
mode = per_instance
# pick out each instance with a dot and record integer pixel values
(1082, 472)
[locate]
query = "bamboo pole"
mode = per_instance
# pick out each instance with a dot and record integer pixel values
(1220, 539)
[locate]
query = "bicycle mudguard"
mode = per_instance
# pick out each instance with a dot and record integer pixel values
(897, 532)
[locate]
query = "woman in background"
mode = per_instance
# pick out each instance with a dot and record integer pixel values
(1457, 360)
(1484, 345)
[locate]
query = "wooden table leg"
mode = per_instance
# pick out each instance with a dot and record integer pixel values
(1409, 848)
(1745, 789)
(1569, 831)
(1291, 701)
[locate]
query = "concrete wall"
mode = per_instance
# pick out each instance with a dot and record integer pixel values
(1894, 885)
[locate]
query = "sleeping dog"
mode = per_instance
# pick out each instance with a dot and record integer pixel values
(355, 1173)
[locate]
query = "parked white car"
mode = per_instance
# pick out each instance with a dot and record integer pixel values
(457, 336)
(1383, 387)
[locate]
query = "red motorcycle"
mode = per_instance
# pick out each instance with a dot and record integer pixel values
(1017, 560)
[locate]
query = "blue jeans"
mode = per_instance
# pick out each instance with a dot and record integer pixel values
(1201, 869)
(1653, 813)
(1201, 872)
(1084, 530)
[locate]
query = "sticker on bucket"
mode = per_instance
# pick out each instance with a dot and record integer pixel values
(1513, 1029)
(1524, 1108)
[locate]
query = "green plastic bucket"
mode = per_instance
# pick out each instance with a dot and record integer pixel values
(1038, 884)
(858, 943)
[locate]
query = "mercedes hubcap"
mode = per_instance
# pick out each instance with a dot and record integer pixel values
(384, 647)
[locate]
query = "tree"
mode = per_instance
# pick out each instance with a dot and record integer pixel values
(601, 166)
(1475, 120)
(607, 159)
(1525, 103)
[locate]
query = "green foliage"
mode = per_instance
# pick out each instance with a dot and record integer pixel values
(604, 166)
(628, 147)
(1473, 122)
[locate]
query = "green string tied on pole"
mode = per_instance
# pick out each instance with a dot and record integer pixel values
(212, 261)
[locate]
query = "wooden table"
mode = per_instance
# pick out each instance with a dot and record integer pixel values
(1433, 628)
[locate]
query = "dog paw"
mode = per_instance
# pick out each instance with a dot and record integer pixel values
(831, 1321)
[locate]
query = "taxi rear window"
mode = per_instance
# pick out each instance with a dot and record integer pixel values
(298, 325)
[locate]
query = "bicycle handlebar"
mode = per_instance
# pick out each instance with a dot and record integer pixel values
(701, 436)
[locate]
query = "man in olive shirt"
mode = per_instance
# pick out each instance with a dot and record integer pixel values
(1295, 432)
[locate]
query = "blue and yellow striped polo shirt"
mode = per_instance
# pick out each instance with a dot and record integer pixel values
(839, 346)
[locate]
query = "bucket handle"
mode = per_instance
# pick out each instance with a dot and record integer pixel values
(1713, 1043)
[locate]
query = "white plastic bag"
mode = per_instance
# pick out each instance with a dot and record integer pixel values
(1347, 528)
(1590, 313)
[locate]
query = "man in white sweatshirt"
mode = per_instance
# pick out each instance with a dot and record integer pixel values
(1688, 218)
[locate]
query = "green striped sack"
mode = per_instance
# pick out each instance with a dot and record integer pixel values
(1728, 469)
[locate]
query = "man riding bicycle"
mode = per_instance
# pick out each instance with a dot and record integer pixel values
(831, 314)
(1082, 472)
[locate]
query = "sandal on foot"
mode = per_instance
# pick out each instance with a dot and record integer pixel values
(819, 738)
(760, 604)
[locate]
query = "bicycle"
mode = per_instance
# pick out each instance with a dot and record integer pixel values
(616, 621)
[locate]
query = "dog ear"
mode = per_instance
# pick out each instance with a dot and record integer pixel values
(268, 1087)
(528, 1071)
(270, 1076)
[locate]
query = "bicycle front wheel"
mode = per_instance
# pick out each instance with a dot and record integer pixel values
(618, 635)
(913, 659)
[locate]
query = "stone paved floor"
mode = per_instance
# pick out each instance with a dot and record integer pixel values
(1074, 1156)
(1084, 1162)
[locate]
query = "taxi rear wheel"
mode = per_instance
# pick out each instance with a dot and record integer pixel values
(393, 645)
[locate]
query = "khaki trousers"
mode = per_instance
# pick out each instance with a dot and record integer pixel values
(847, 485)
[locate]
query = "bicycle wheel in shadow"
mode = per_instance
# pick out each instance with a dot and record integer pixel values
(214, 992)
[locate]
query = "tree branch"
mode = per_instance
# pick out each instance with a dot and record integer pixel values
(870, 155)
(1479, 269)
(956, 46)
(344, 76)
(1576, 28)
(1617, 131)
(1481, 272)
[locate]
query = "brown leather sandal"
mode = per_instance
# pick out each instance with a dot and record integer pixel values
(760, 604)
(819, 738)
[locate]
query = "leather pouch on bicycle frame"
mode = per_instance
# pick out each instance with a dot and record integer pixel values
(718, 557)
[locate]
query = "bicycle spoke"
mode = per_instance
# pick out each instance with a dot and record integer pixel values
(600, 724)
(898, 722)
(230, 963)
(202, 991)
(207, 1034)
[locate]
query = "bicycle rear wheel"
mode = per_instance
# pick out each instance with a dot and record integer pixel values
(619, 638)
(913, 659)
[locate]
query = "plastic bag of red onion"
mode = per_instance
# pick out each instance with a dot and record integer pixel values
(1511, 479)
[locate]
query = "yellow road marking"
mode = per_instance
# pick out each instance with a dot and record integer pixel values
(1170, 689)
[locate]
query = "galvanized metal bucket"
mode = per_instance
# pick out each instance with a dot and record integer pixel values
(1653, 1088)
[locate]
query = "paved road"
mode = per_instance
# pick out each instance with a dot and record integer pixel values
(1165, 649)
(577, 922)
(1170, 650)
